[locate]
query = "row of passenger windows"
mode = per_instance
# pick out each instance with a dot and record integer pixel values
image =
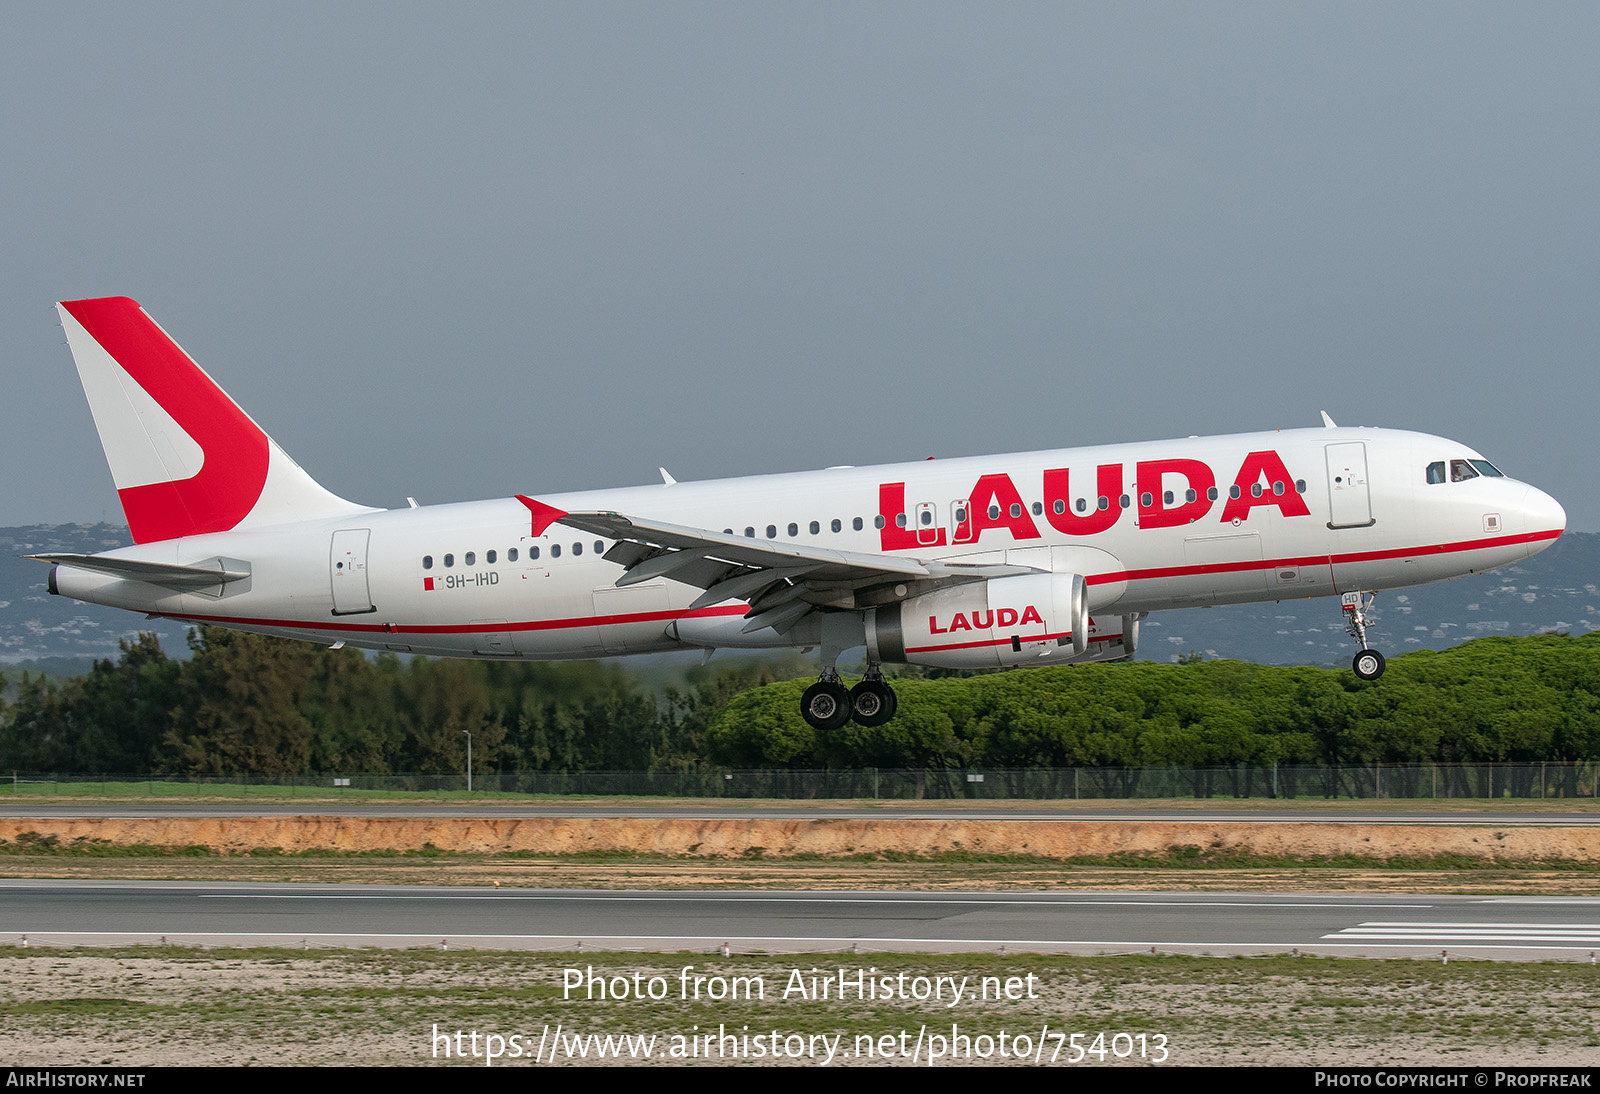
(834, 525)
(1146, 500)
(491, 557)
(925, 515)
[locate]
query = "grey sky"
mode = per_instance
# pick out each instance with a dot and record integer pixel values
(461, 251)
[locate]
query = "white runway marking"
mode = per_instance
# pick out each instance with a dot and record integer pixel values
(1582, 934)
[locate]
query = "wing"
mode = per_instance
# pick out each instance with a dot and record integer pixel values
(783, 582)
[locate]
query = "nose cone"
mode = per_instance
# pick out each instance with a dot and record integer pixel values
(1542, 517)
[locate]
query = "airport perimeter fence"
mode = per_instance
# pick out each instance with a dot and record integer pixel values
(1362, 781)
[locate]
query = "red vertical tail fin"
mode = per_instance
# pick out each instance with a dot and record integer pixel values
(185, 458)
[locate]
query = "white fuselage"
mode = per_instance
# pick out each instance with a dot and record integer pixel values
(1319, 512)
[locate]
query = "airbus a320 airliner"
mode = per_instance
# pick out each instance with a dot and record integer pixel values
(1037, 558)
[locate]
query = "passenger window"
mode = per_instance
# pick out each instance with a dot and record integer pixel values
(1255, 491)
(1234, 491)
(1146, 500)
(772, 531)
(878, 521)
(1038, 508)
(427, 562)
(856, 524)
(1103, 503)
(1277, 488)
(533, 553)
(794, 530)
(449, 560)
(1211, 493)
(577, 548)
(471, 559)
(838, 526)
(750, 533)
(1083, 503)
(489, 557)
(1299, 486)
(1016, 509)
(511, 555)
(555, 550)
(816, 527)
(899, 521)
(1123, 501)
(599, 547)
(994, 512)
(925, 518)
(1189, 495)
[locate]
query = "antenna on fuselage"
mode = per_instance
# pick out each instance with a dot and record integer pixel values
(1327, 422)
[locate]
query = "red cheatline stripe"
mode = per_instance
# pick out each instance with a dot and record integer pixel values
(736, 609)
(406, 628)
(1318, 560)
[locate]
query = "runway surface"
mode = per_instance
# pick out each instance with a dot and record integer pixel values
(191, 913)
(1467, 815)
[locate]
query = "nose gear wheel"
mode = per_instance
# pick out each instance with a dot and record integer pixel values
(1368, 663)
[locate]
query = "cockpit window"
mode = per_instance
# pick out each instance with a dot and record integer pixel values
(1435, 473)
(1488, 469)
(1462, 470)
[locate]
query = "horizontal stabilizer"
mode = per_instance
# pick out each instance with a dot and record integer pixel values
(166, 574)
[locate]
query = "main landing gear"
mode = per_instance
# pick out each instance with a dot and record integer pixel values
(1368, 663)
(827, 704)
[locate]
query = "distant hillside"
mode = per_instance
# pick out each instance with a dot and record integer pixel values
(1555, 590)
(51, 633)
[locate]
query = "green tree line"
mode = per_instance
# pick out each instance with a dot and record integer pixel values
(243, 703)
(1493, 699)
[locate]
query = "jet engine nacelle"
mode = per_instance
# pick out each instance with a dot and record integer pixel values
(1030, 619)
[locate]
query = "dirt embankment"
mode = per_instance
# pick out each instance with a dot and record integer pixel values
(825, 837)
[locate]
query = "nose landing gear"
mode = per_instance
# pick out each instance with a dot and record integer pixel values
(1368, 663)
